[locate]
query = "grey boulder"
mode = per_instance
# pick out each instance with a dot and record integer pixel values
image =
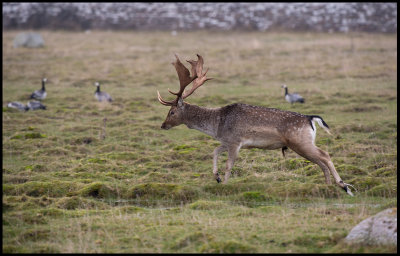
(380, 229)
(29, 40)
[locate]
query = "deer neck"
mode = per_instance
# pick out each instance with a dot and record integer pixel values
(201, 118)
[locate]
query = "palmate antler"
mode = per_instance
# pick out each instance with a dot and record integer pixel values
(198, 79)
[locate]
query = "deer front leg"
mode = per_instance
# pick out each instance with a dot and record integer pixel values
(217, 151)
(232, 154)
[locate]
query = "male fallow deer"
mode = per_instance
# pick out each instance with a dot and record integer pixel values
(240, 125)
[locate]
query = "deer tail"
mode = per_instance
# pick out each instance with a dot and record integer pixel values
(320, 122)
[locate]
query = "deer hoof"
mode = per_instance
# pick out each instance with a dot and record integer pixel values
(347, 189)
(217, 177)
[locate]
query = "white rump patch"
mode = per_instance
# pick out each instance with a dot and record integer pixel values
(313, 132)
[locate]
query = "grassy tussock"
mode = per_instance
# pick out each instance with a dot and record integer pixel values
(71, 184)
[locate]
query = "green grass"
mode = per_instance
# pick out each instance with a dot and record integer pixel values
(143, 189)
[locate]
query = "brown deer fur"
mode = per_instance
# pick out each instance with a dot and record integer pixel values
(240, 125)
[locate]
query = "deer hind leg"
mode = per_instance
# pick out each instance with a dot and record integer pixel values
(217, 151)
(326, 161)
(321, 158)
(335, 174)
(322, 161)
(338, 180)
(233, 151)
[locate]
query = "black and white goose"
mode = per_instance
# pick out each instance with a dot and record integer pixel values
(18, 105)
(40, 94)
(101, 96)
(35, 105)
(292, 97)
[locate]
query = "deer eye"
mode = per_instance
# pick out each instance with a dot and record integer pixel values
(172, 112)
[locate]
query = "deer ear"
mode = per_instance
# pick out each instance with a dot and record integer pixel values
(180, 102)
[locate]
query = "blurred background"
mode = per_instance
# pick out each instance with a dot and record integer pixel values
(320, 17)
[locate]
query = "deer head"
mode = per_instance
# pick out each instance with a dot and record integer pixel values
(175, 114)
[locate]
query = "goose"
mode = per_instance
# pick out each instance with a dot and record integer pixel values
(34, 105)
(100, 96)
(40, 94)
(292, 97)
(18, 105)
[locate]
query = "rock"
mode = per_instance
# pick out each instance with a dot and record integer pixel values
(29, 40)
(380, 229)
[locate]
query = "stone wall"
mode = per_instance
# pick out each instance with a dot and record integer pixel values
(319, 17)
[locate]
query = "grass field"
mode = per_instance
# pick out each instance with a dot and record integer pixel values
(144, 189)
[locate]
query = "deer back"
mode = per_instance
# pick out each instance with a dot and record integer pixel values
(241, 121)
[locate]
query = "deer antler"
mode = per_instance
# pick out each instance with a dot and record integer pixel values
(183, 74)
(185, 79)
(201, 78)
(166, 103)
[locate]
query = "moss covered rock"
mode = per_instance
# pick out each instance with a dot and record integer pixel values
(38, 188)
(295, 163)
(98, 190)
(76, 202)
(156, 193)
(196, 238)
(208, 205)
(230, 246)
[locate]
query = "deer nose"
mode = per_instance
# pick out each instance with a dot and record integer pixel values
(163, 126)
